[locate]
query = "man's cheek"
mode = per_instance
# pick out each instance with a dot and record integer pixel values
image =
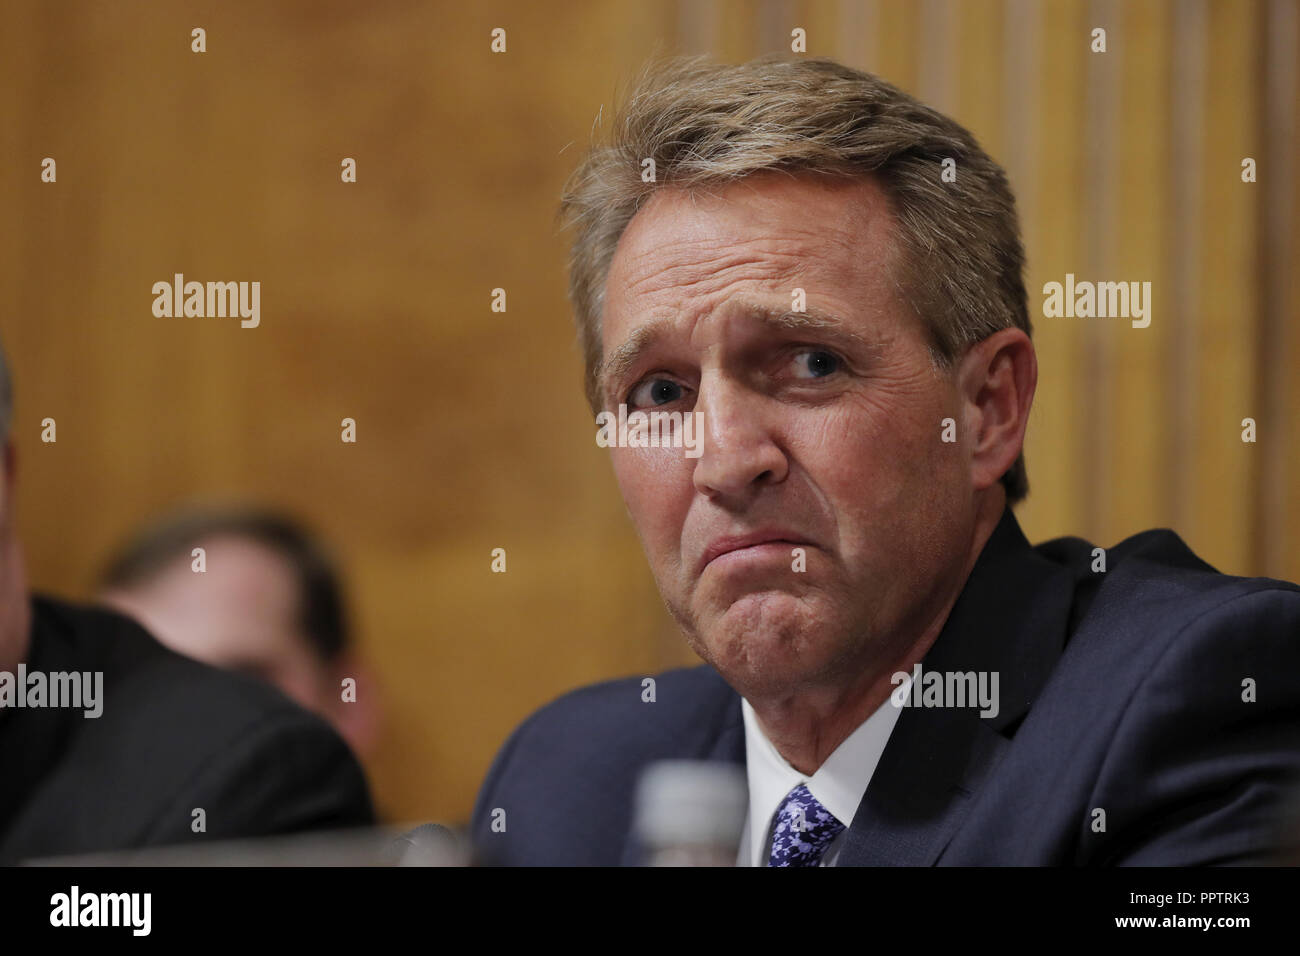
(635, 485)
(645, 471)
(928, 438)
(656, 524)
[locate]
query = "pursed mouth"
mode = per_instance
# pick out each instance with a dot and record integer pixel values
(723, 547)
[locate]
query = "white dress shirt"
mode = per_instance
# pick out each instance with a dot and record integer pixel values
(838, 784)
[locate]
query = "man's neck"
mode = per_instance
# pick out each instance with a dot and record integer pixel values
(807, 727)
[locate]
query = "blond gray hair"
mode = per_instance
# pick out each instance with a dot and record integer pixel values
(707, 124)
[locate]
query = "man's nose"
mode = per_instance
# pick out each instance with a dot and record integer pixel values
(740, 454)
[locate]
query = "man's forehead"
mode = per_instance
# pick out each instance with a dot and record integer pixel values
(687, 251)
(746, 313)
(679, 231)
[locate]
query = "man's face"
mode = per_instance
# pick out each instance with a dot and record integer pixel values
(821, 432)
(241, 613)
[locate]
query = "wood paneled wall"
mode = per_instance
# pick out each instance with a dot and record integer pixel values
(472, 431)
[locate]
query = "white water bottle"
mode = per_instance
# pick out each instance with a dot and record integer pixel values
(691, 812)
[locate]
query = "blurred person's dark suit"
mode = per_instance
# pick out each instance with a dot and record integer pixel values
(1120, 691)
(174, 736)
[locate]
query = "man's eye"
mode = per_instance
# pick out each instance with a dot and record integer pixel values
(817, 363)
(654, 391)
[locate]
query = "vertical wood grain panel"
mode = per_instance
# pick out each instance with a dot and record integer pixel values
(1139, 475)
(1277, 517)
(1057, 474)
(1223, 478)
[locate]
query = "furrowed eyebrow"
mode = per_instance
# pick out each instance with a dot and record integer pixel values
(622, 358)
(626, 355)
(814, 320)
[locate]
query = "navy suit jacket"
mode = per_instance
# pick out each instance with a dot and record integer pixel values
(1120, 691)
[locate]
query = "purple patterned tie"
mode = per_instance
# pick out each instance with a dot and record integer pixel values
(803, 830)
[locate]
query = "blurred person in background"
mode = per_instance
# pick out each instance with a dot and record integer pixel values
(268, 603)
(111, 741)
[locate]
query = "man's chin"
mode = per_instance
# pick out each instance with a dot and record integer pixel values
(776, 612)
(767, 640)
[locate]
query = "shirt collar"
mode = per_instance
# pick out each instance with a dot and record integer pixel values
(838, 784)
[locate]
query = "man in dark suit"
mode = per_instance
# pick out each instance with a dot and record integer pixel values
(824, 276)
(109, 741)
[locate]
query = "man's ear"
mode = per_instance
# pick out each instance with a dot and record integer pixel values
(996, 379)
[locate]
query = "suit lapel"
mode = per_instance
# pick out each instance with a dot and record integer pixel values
(1011, 619)
(935, 762)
